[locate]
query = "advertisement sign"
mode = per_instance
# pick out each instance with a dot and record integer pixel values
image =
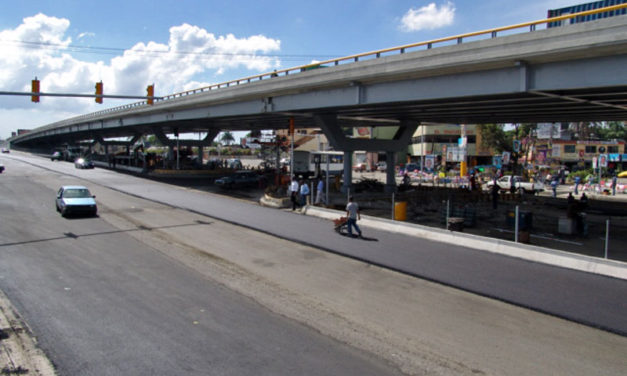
(497, 160)
(516, 146)
(430, 162)
(603, 160)
(506, 156)
(548, 130)
(541, 156)
(455, 154)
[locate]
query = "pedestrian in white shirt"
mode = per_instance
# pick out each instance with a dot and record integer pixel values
(352, 213)
(294, 192)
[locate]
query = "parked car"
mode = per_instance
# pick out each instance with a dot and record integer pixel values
(382, 166)
(410, 167)
(239, 179)
(360, 167)
(505, 183)
(75, 199)
(234, 163)
(1, 168)
(56, 156)
(5, 150)
(83, 163)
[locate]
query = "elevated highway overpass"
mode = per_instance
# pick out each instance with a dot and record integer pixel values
(570, 73)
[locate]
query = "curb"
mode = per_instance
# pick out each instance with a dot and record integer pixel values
(609, 268)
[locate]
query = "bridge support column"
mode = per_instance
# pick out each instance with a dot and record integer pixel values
(333, 131)
(106, 145)
(390, 171)
(348, 171)
(200, 144)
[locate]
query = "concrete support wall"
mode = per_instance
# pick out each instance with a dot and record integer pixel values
(333, 131)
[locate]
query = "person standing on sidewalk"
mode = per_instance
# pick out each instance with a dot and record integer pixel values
(614, 178)
(352, 214)
(319, 191)
(577, 182)
(294, 193)
(304, 192)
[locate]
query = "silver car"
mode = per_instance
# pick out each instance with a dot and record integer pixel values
(75, 199)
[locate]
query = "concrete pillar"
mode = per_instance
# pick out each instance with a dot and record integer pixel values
(390, 179)
(348, 171)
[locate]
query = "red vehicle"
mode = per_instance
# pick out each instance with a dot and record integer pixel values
(360, 167)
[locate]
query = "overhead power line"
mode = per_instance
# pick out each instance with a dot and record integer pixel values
(117, 51)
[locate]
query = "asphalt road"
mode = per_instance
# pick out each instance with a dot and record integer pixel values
(590, 299)
(103, 303)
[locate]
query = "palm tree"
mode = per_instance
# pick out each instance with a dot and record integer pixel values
(227, 138)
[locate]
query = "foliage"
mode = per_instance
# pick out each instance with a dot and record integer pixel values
(227, 138)
(229, 150)
(494, 137)
(613, 130)
(582, 174)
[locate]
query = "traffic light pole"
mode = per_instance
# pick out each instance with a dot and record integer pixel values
(71, 95)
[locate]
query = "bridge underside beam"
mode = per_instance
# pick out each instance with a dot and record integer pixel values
(333, 131)
(99, 139)
(165, 140)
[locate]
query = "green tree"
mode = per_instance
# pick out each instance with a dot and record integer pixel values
(614, 130)
(493, 136)
(227, 138)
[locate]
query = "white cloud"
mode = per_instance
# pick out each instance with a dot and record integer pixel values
(85, 35)
(428, 17)
(39, 48)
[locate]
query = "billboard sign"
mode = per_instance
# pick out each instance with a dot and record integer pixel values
(506, 156)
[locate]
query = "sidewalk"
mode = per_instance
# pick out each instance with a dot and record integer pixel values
(19, 354)
(533, 253)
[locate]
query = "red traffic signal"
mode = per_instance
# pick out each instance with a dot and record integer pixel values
(35, 89)
(99, 92)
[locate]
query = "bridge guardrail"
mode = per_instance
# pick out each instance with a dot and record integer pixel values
(458, 39)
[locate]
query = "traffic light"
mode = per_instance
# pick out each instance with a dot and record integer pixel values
(150, 92)
(35, 89)
(99, 92)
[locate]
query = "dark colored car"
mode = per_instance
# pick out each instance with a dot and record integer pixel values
(1, 168)
(56, 156)
(239, 179)
(75, 199)
(5, 150)
(411, 167)
(83, 163)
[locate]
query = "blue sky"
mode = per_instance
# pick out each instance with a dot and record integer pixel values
(70, 44)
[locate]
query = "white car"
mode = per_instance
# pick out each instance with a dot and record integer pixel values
(75, 199)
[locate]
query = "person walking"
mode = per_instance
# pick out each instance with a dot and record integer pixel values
(294, 193)
(554, 184)
(577, 182)
(614, 181)
(495, 194)
(304, 192)
(319, 192)
(352, 215)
